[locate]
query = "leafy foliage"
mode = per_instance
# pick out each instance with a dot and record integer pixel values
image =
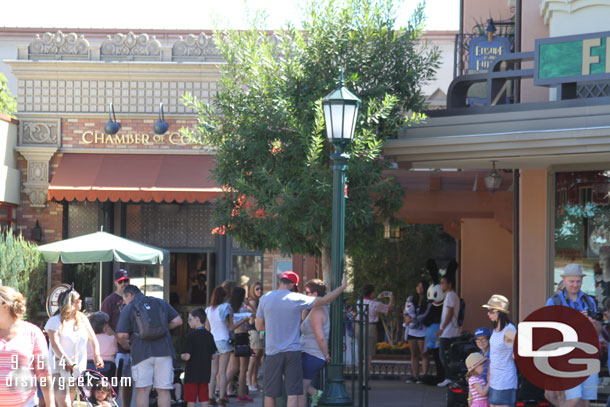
(22, 267)
(8, 104)
(267, 126)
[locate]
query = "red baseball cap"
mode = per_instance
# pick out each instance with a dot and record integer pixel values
(292, 276)
(121, 275)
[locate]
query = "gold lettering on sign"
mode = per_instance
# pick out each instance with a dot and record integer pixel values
(587, 58)
(90, 137)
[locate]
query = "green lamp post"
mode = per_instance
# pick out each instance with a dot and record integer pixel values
(340, 113)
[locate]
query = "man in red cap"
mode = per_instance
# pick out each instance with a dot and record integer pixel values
(279, 315)
(112, 305)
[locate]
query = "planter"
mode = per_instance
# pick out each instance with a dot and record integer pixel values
(384, 356)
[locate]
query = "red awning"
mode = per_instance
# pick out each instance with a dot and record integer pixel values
(134, 177)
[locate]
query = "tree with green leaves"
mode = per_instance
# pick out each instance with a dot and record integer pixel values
(22, 268)
(8, 104)
(266, 122)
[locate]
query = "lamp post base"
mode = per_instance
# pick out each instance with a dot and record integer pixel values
(335, 393)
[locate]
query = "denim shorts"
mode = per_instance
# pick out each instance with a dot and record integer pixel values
(311, 365)
(585, 391)
(502, 397)
(223, 347)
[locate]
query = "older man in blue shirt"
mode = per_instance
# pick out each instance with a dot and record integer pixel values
(572, 296)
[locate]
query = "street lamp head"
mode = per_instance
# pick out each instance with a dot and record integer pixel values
(340, 113)
(493, 180)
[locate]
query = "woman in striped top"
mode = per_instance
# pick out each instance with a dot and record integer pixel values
(24, 359)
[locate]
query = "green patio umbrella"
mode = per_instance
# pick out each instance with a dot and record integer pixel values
(100, 247)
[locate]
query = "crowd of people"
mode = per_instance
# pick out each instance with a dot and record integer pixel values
(433, 323)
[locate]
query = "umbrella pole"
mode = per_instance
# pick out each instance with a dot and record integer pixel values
(49, 272)
(99, 287)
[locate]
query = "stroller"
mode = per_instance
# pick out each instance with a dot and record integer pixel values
(85, 382)
(457, 392)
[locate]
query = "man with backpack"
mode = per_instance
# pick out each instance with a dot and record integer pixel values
(572, 296)
(147, 322)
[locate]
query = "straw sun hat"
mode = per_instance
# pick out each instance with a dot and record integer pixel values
(473, 360)
(497, 302)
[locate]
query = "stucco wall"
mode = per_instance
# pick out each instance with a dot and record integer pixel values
(533, 238)
(486, 268)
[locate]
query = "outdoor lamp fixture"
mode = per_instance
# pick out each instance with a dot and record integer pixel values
(391, 232)
(112, 127)
(340, 113)
(493, 180)
(161, 126)
(490, 30)
(36, 233)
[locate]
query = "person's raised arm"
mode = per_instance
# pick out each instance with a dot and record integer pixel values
(331, 296)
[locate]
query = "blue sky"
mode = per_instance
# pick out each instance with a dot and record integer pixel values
(185, 14)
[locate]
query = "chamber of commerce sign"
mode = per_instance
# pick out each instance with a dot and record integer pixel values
(90, 137)
(575, 58)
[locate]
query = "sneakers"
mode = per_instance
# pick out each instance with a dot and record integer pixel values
(212, 402)
(411, 380)
(444, 383)
(244, 398)
(253, 388)
(315, 398)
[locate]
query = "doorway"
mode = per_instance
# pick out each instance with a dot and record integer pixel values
(192, 277)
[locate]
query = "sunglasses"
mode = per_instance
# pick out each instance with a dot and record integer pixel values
(123, 282)
(492, 311)
(258, 289)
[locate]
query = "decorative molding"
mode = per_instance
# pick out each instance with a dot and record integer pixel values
(36, 185)
(58, 44)
(131, 45)
(40, 132)
(548, 7)
(197, 46)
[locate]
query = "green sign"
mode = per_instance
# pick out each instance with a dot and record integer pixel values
(575, 58)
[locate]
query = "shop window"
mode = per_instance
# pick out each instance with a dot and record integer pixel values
(247, 269)
(171, 225)
(148, 278)
(82, 218)
(279, 267)
(582, 229)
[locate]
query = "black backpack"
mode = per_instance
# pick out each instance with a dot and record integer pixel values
(462, 313)
(150, 318)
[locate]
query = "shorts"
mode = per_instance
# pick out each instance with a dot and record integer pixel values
(502, 397)
(288, 365)
(415, 338)
(432, 341)
(311, 365)
(192, 391)
(125, 359)
(223, 347)
(587, 390)
(156, 371)
(255, 340)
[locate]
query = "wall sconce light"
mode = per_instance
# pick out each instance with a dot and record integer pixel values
(36, 233)
(493, 180)
(390, 231)
(161, 126)
(112, 127)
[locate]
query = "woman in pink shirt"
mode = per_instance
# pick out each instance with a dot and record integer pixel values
(24, 359)
(108, 344)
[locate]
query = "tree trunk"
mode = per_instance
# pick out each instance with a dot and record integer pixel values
(326, 267)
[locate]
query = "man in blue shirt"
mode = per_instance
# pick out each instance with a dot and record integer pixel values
(572, 296)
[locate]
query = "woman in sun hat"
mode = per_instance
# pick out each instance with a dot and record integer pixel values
(503, 381)
(477, 384)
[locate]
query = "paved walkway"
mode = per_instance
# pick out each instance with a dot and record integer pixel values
(384, 393)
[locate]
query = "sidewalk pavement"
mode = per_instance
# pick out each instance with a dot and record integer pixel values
(384, 393)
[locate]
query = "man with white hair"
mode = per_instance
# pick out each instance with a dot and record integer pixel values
(572, 296)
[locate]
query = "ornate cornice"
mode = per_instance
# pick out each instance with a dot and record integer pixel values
(198, 46)
(548, 7)
(59, 44)
(39, 132)
(131, 45)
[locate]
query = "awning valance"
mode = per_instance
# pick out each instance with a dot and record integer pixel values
(134, 177)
